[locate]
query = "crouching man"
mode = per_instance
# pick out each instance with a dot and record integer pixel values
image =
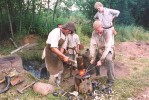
(55, 46)
(101, 45)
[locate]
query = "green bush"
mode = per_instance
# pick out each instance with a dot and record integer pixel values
(87, 29)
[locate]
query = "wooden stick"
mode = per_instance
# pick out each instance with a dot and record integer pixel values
(13, 42)
(21, 47)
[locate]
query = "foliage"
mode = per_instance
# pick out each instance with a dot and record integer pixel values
(87, 29)
(41, 16)
(131, 33)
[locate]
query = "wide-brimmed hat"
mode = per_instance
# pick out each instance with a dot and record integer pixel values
(70, 26)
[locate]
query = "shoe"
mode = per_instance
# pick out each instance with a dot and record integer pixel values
(110, 83)
(58, 81)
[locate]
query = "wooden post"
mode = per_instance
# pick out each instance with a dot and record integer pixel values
(80, 64)
(83, 83)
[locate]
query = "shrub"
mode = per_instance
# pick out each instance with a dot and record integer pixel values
(87, 29)
(131, 33)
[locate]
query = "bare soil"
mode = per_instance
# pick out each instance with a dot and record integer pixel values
(131, 50)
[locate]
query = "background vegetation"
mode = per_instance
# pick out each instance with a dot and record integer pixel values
(21, 17)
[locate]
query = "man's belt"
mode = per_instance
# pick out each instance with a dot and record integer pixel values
(107, 27)
(70, 48)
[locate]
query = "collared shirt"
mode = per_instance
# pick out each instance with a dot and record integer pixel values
(106, 17)
(101, 44)
(54, 36)
(73, 41)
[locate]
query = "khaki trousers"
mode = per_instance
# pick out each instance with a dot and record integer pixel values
(109, 64)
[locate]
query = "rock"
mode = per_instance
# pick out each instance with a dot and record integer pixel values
(43, 88)
(16, 80)
(55, 94)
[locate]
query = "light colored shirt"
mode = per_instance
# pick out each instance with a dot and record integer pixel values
(54, 36)
(101, 44)
(106, 17)
(73, 41)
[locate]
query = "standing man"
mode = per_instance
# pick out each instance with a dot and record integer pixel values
(73, 46)
(106, 16)
(101, 46)
(55, 46)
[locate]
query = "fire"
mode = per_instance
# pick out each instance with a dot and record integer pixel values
(82, 72)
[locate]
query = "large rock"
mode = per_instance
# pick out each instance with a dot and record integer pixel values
(43, 88)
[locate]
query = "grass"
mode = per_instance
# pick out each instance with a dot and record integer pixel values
(131, 33)
(128, 88)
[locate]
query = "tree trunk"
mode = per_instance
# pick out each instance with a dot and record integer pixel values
(33, 14)
(10, 22)
(21, 10)
(39, 10)
(54, 12)
(47, 17)
(83, 84)
(1, 16)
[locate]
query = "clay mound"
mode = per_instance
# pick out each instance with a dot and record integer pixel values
(10, 62)
(136, 49)
(30, 39)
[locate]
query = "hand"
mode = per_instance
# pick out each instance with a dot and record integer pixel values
(77, 51)
(92, 61)
(99, 63)
(66, 59)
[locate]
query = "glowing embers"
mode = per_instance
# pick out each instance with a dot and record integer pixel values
(82, 72)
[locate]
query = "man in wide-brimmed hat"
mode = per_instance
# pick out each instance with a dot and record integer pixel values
(55, 46)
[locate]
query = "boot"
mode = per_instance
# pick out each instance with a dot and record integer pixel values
(52, 80)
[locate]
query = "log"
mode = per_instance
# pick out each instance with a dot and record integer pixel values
(83, 84)
(13, 42)
(80, 64)
(24, 46)
(21, 47)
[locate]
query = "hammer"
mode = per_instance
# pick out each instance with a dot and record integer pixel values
(29, 85)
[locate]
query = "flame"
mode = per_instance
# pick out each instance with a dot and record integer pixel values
(82, 72)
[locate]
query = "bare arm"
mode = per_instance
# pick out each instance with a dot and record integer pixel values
(60, 54)
(62, 50)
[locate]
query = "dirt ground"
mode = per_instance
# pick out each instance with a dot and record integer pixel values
(131, 50)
